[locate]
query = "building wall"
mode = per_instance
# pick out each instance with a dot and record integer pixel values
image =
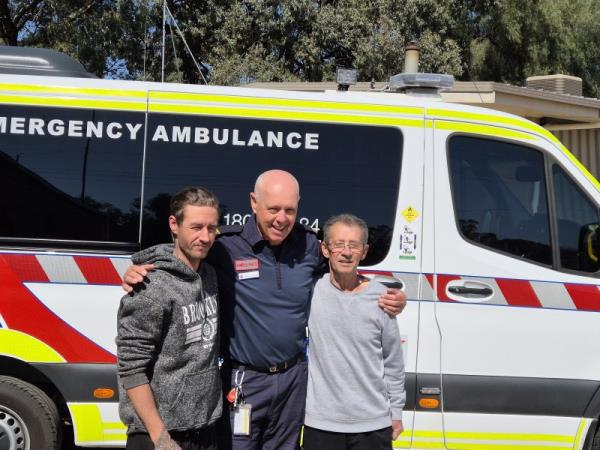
(585, 145)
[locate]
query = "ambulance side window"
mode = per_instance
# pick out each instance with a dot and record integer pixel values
(341, 168)
(577, 224)
(499, 195)
(69, 174)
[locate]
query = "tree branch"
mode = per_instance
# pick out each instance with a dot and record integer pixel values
(81, 11)
(24, 14)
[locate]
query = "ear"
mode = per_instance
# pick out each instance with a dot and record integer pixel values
(364, 252)
(173, 225)
(324, 249)
(253, 203)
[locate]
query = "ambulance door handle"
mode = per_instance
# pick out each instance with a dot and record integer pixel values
(469, 291)
(462, 290)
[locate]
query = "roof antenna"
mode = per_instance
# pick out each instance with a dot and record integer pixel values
(165, 11)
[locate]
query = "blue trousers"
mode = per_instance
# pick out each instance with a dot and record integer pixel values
(277, 409)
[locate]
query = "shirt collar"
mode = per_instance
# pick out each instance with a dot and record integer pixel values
(252, 235)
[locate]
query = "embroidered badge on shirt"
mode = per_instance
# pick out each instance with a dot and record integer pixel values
(242, 265)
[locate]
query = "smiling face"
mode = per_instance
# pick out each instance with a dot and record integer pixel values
(195, 233)
(345, 248)
(275, 204)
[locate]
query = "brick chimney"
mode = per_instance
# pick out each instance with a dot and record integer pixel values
(561, 84)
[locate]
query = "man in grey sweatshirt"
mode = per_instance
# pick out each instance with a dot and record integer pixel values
(167, 339)
(356, 369)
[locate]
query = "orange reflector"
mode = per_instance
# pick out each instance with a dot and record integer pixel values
(429, 403)
(104, 393)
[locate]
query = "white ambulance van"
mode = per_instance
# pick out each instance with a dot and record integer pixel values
(487, 220)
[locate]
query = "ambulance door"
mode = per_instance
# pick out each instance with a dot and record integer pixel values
(403, 262)
(424, 389)
(514, 280)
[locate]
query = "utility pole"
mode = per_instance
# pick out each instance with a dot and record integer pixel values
(162, 67)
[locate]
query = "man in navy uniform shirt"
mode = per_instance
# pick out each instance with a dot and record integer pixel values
(266, 271)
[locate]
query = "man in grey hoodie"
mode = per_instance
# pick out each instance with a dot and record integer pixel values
(167, 342)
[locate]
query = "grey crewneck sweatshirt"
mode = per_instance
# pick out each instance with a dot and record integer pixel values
(356, 367)
(167, 337)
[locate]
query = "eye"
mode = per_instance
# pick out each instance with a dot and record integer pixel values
(355, 246)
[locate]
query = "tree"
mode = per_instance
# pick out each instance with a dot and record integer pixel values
(306, 40)
(238, 41)
(15, 17)
(371, 36)
(515, 40)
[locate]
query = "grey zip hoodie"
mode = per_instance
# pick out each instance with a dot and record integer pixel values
(167, 336)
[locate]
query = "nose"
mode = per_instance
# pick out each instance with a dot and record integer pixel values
(346, 250)
(280, 217)
(204, 235)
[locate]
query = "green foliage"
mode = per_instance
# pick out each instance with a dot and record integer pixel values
(519, 39)
(238, 41)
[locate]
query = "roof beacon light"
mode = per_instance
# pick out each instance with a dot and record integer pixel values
(345, 78)
(421, 82)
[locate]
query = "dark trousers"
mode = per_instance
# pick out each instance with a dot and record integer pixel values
(204, 439)
(277, 409)
(315, 439)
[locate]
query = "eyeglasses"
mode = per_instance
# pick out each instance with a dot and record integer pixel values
(339, 246)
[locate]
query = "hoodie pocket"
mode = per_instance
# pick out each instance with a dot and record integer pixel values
(198, 401)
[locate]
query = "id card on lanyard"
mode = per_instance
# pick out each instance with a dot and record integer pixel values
(241, 410)
(241, 419)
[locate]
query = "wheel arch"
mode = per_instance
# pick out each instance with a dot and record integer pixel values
(28, 373)
(593, 411)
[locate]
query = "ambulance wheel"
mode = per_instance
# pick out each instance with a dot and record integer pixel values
(29, 420)
(596, 441)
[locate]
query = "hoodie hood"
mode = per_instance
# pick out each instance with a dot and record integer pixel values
(163, 258)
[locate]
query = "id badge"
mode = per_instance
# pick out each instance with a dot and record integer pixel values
(241, 419)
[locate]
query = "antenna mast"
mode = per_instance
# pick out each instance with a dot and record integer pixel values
(165, 11)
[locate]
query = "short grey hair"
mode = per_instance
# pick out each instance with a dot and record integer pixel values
(349, 220)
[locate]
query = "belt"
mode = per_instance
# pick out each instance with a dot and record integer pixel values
(275, 368)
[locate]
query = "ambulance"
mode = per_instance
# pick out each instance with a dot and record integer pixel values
(486, 220)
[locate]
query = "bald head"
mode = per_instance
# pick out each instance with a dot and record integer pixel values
(276, 180)
(275, 204)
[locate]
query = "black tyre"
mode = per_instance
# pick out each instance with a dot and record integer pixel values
(29, 420)
(596, 440)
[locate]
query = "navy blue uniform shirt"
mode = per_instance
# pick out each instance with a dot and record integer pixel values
(264, 292)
